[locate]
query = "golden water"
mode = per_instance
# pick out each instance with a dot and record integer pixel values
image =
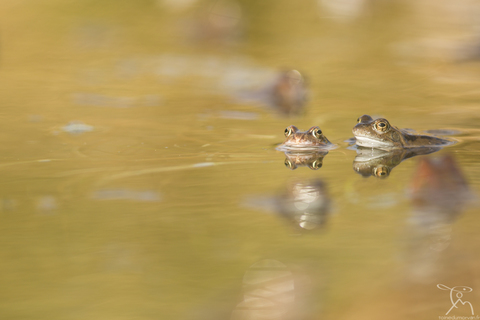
(142, 214)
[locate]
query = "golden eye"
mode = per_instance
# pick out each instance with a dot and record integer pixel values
(381, 172)
(364, 119)
(289, 164)
(382, 126)
(317, 164)
(288, 131)
(317, 133)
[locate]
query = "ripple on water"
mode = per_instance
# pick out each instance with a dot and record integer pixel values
(127, 194)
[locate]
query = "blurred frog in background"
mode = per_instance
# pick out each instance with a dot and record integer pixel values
(289, 93)
(285, 93)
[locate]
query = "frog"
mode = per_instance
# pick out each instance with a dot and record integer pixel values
(286, 94)
(304, 141)
(380, 134)
(289, 94)
(313, 160)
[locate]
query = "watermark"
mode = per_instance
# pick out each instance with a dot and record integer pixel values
(456, 295)
(458, 317)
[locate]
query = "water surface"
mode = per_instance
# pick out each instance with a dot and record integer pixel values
(130, 160)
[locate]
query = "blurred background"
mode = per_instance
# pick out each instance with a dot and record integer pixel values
(140, 178)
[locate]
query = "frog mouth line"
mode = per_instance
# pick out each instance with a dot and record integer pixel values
(306, 148)
(301, 148)
(369, 142)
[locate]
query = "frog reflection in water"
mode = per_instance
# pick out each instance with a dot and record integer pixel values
(380, 134)
(439, 193)
(313, 160)
(311, 140)
(305, 204)
(380, 163)
(439, 183)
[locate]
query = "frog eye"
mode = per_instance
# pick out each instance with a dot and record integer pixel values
(289, 131)
(317, 164)
(381, 172)
(364, 118)
(382, 125)
(290, 165)
(317, 133)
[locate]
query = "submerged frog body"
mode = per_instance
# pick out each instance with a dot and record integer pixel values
(380, 134)
(310, 140)
(313, 160)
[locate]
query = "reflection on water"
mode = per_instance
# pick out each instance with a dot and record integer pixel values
(133, 130)
(119, 194)
(46, 204)
(439, 184)
(271, 290)
(94, 36)
(305, 204)
(471, 52)
(99, 100)
(342, 10)
(313, 160)
(451, 28)
(380, 163)
(238, 115)
(219, 22)
(77, 127)
(439, 193)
